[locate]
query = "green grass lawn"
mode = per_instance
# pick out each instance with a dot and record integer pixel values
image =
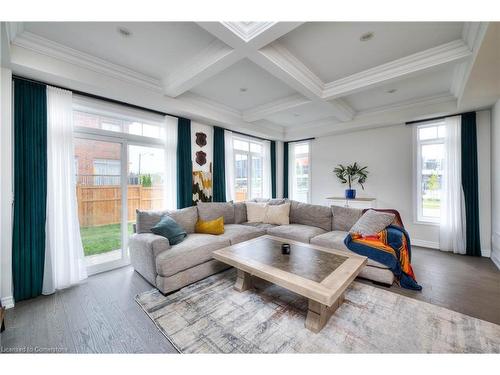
(97, 240)
(432, 203)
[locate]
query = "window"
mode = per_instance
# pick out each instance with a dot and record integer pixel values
(120, 165)
(248, 169)
(88, 119)
(300, 172)
(429, 155)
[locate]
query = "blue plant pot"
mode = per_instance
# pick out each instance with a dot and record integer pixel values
(350, 193)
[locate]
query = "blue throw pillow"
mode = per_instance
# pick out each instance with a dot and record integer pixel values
(168, 228)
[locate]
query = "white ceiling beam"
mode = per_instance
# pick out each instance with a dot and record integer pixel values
(281, 63)
(212, 60)
(473, 35)
(451, 52)
(273, 57)
(233, 42)
(265, 110)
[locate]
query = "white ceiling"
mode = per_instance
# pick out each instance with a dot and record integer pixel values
(302, 114)
(295, 74)
(430, 83)
(155, 48)
(332, 50)
(261, 87)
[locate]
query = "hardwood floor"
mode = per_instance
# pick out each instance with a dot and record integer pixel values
(101, 316)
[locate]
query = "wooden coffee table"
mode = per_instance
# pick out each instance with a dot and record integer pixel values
(317, 273)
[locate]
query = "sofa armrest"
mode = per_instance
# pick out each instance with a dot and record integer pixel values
(144, 248)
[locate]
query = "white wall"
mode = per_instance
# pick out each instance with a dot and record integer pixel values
(388, 153)
(483, 119)
(6, 188)
(495, 183)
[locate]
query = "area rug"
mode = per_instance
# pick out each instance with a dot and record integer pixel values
(211, 317)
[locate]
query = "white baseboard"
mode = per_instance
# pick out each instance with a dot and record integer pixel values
(427, 244)
(496, 259)
(486, 253)
(8, 302)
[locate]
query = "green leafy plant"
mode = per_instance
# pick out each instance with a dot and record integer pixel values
(351, 173)
(145, 180)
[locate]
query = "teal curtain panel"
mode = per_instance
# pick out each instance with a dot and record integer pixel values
(184, 164)
(273, 169)
(30, 188)
(285, 170)
(219, 174)
(470, 183)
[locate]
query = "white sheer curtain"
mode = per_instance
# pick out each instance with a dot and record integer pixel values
(291, 171)
(266, 170)
(452, 223)
(229, 165)
(64, 258)
(170, 183)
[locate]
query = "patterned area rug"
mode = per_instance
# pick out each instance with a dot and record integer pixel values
(210, 317)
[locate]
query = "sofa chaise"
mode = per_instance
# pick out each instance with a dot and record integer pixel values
(171, 267)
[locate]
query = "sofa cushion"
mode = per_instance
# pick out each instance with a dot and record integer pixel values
(145, 220)
(263, 226)
(212, 210)
(372, 222)
(237, 233)
(298, 232)
(185, 217)
(345, 217)
(195, 249)
(256, 211)
(335, 240)
(311, 214)
(240, 212)
(277, 214)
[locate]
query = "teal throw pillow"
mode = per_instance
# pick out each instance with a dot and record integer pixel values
(168, 228)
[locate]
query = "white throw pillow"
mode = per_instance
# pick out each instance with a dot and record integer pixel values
(256, 212)
(278, 214)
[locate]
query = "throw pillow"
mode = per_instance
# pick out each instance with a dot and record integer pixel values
(277, 214)
(372, 222)
(215, 226)
(168, 228)
(256, 212)
(214, 210)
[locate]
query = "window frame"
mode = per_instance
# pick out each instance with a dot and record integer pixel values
(292, 172)
(124, 139)
(418, 217)
(249, 155)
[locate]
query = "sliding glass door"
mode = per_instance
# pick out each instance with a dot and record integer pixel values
(120, 164)
(101, 202)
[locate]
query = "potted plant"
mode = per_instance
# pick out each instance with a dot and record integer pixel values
(350, 174)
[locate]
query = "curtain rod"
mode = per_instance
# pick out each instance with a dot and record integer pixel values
(436, 118)
(92, 96)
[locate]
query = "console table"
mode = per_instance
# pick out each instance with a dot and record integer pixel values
(354, 203)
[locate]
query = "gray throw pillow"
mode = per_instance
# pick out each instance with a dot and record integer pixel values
(372, 222)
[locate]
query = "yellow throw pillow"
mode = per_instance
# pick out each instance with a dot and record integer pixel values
(210, 226)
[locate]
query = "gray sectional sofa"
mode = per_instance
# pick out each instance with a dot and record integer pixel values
(172, 267)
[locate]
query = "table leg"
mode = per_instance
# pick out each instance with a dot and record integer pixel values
(243, 281)
(318, 314)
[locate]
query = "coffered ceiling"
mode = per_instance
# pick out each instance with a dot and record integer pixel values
(274, 75)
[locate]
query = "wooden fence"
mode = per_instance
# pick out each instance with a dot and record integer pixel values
(101, 205)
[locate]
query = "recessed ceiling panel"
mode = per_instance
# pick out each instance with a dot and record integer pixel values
(243, 86)
(152, 48)
(303, 114)
(434, 82)
(333, 50)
